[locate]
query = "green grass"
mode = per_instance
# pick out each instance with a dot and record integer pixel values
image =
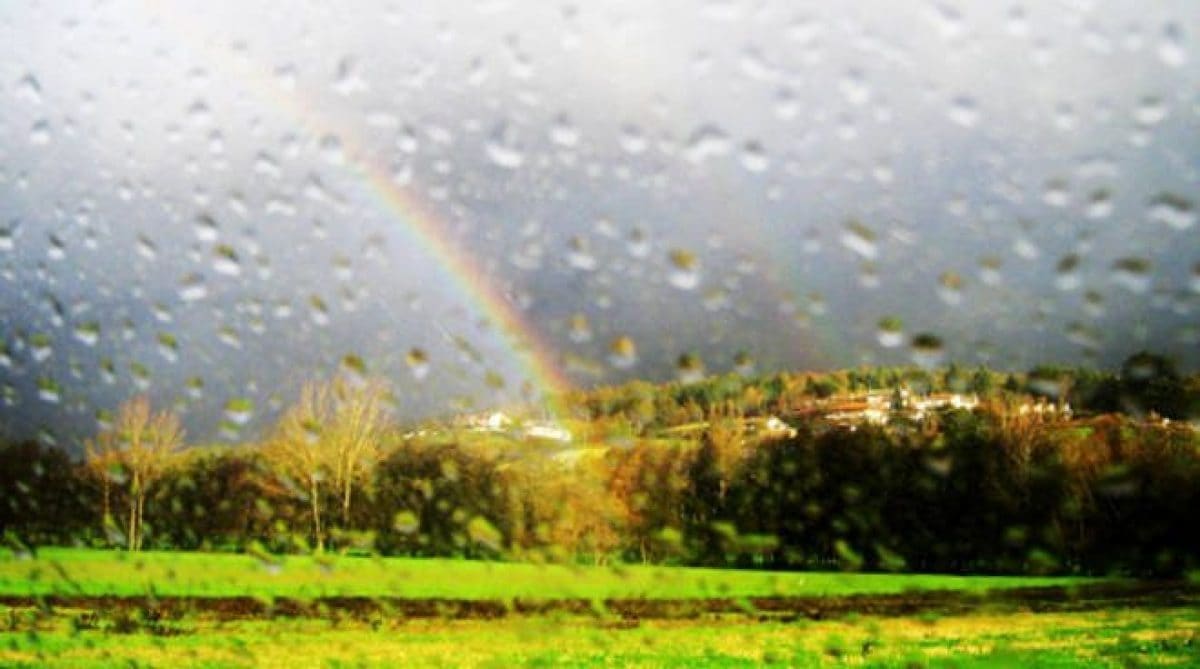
(66, 571)
(1113, 638)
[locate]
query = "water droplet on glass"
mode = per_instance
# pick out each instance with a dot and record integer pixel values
(1056, 193)
(39, 132)
(331, 149)
(354, 367)
(579, 330)
(168, 346)
(890, 332)
(29, 89)
(638, 244)
(418, 363)
(225, 260)
(706, 142)
(502, 147)
(754, 157)
(49, 390)
(318, 310)
(964, 111)
(855, 89)
(622, 352)
(1172, 210)
(1100, 204)
(1171, 49)
(347, 79)
(1132, 273)
(563, 132)
(743, 364)
(860, 239)
(927, 350)
(685, 269)
(88, 333)
(239, 410)
(1150, 111)
(950, 285)
(205, 228)
(1067, 272)
(578, 255)
(632, 140)
(192, 288)
(689, 368)
(8, 237)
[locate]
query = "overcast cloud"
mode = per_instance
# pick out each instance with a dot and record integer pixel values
(194, 197)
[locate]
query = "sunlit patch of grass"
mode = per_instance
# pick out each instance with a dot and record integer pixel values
(1112, 638)
(86, 572)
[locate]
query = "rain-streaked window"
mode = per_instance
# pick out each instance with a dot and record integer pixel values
(423, 314)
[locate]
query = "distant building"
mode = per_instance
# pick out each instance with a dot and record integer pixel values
(547, 431)
(879, 407)
(500, 422)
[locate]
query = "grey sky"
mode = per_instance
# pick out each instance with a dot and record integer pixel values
(182, 185)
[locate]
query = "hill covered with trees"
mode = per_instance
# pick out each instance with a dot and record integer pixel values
(1058, 470)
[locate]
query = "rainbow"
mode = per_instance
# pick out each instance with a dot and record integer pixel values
(535, 357)
(528, 349)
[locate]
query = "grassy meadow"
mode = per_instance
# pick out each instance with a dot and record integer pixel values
(107, 616)
(1108, 638)
(70, 571)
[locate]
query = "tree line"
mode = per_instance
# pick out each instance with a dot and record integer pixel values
(989, 490)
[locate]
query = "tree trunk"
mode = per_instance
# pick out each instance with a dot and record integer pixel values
(346, 504)
(106, 517)
(141, 508)
(130, 543)
(316, 515)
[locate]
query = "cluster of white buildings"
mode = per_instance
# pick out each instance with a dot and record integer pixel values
(500, 422)
(877, 408)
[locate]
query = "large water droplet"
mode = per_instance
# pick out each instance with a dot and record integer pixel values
(1067, 272)
(88, 333)
(1132, 273)
(950, 285)
(225, 260)
(579, 330)
(239, 410)
(633, 140)
(563, 132)
(39, 132)
(1173, 210)
(860, 239)
(502, 147)
(1171, 49)
(347, 79)
(29, 89)
(622, 352)
(689, 368)
(685, 269)
(754, 157)
(890, 332)
(706, 142)
(927, 350)
(964, 111)
(578, 255)
(418, 363)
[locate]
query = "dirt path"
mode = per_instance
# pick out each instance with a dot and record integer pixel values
(1082, 598)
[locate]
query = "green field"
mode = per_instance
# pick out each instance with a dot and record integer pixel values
(65, 571)
(81, 608)
(1112, 638)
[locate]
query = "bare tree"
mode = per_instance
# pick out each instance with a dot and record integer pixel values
(331, 434)
(102, 458)
(141, 444)
(358, 426)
